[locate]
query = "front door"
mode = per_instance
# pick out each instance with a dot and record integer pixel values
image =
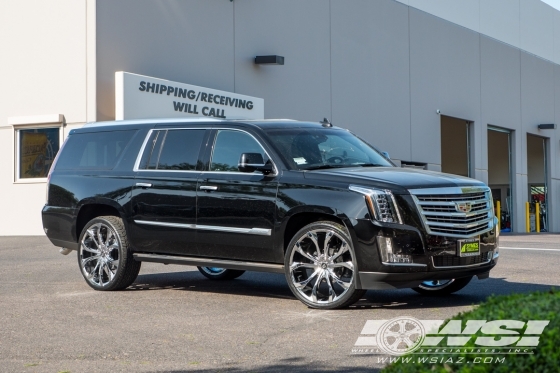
(164, 196)
(236, 210)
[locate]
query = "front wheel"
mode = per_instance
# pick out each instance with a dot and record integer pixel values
(320, 266)
(442, 287)
(215, 273)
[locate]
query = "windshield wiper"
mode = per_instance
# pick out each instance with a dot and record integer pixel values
(369, 165)
(325, 166)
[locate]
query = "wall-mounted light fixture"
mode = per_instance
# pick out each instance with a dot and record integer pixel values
(547, 126)
(269, 60)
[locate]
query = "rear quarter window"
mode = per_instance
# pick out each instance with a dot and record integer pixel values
(94, 150)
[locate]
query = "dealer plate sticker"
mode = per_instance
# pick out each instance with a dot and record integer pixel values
(469, 247)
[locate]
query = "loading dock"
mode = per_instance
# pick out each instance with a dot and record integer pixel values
(537, 175)
(455, 146)
(499, 174)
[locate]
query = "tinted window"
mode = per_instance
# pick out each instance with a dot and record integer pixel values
(309, 148)
(98, 150)
(228, 148)
(179, 149)
(152, 150)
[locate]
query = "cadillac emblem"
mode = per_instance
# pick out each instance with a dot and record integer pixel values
(463, 206)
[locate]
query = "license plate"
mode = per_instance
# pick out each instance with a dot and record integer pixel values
(468, 247)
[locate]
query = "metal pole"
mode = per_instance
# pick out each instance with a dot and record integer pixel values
(538, 217)
(499, 214)
(527, 219)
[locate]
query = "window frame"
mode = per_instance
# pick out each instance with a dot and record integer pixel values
(17, 156)
(215, 137)
(137, 168)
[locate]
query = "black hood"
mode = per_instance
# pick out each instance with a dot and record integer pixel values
(396, 179)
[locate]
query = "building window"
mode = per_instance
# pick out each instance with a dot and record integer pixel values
(35, 151)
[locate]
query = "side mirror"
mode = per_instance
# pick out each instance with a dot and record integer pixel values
(386, 155)
(251, 162)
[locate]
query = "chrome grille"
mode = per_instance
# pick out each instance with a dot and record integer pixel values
(455, 212)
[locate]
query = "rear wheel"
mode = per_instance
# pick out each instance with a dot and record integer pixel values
(215, 273)
(442, 287)
(104, 257)
(320, 266)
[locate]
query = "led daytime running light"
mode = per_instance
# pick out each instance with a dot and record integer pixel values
(381, 203)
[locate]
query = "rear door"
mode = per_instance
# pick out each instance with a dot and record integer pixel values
(164, 196)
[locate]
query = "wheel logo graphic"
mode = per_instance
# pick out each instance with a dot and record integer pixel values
(401, 335)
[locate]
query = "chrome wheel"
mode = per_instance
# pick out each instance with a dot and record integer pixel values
(321, 266)
(99, 254)
(213, 270)
(435, 284)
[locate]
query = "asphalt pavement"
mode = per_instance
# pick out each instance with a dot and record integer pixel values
(173, 319)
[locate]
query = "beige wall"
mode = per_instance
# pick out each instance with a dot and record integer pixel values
(43, 71)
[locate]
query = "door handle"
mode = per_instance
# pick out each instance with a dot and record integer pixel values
(144, 185)
(208, 187)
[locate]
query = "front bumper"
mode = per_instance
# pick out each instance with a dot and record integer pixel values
(433, 257)
(383, 281)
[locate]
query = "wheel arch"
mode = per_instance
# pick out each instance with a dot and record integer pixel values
(92, 209)
(300, 219)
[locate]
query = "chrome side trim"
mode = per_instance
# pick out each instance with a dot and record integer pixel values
(466, 266)
(255, 231)
(405, 264)
(208, 187)
(207, 262)
(144, 185)
(163, 224)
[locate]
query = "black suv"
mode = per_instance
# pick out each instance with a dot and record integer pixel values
(308, 200)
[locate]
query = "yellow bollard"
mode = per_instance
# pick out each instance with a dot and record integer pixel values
(527, 218)
(499, 214)
(538, 217)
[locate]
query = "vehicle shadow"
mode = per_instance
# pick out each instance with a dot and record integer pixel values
(270, 285)
(294, 365)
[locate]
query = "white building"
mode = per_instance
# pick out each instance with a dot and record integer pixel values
(382, 68)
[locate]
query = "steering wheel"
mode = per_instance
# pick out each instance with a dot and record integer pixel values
(335, 160)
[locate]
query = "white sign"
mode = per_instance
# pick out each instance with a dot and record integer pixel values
(145, 97)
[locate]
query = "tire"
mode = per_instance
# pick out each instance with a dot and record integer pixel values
(104, 256)
(220, 274)
(442, 287)
(319, 279)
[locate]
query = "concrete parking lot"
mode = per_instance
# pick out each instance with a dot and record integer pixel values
(173, 319)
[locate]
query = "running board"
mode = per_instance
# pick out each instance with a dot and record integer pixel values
(206, 262)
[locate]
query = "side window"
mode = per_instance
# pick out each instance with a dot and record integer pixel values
(229, 146)
(173, 150)
(96, 150)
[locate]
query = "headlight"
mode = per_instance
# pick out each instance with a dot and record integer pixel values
(381, 204)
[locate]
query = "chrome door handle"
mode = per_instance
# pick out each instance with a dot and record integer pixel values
(208, 187)
(144, 185)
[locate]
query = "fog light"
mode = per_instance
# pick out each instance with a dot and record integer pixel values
(390, 254)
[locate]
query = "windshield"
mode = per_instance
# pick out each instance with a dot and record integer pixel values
(317, 148)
